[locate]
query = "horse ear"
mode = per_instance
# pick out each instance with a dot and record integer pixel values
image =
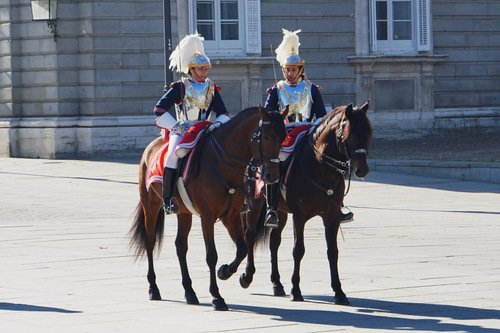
(264, 115)
(284, 111)
(364, 107)
(348, 111)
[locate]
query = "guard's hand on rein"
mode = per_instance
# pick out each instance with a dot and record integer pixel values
(180, 128)
(214, 126)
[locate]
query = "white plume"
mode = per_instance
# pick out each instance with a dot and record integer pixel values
(289, 45)
(188, 46)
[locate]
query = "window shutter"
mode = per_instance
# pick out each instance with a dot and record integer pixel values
(253, 40)
(424, 31)
(373, 27)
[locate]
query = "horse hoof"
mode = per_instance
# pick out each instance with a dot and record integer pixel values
(245, 280)
(296, 297)
(224, 272)
(278, 290)
(191, 299)
(154, 294)
(219, 304)
(341, 300)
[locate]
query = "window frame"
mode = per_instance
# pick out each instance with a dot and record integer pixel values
(420, 24)
(219, 46)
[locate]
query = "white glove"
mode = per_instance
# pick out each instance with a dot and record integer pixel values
(219, 121)
(181, 127)
(166, 121)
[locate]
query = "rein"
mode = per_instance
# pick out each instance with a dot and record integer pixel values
(342, 167)
(257, 137)
(222, 156)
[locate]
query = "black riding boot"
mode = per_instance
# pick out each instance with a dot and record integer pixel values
(169, 185)
(346, 217)
(272, 220)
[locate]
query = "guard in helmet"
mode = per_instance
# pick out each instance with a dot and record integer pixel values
(304, 102)
(194, 97)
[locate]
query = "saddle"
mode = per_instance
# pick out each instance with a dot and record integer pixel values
(293, 137)
(156, 163)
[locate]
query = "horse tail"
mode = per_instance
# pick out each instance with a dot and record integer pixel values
(261, 232)
(138, 235)
(139, 239)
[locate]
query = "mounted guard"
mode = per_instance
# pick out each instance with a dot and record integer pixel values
(194, 96)
(303, 100)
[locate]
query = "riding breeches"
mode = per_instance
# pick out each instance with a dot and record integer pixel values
(171, 158)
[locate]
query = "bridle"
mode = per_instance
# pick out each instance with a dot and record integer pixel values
(223, 156)
(257, 137)
(342, 167)
(341, 142)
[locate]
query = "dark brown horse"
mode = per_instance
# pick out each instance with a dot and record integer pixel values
(313, 184)
(215, 192)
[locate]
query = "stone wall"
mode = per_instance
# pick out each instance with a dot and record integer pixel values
(105, 65)
(469, 33)
(327, 38)
(91, 92)
(467, 92)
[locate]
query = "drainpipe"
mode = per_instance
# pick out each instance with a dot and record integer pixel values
(167, 34)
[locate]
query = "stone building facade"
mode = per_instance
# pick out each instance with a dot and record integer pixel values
(422, 64)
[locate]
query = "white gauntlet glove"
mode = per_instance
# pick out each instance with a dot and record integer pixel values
(181, 127)
(219, 121)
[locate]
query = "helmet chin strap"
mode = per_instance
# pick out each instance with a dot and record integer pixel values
(297, 78)
(195, 76)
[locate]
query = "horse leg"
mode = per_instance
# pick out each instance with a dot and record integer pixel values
(253, 221)
(298, 254)
(207, 226)
(184, 223)
(274, 244)
(331, 232)
(152, 216)
(250, 233)
(235, 229)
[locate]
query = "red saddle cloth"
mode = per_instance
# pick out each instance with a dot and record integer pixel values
(294, 136)
(191, 138)
(156, 163)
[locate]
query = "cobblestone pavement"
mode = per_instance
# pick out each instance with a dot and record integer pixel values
(421, 256)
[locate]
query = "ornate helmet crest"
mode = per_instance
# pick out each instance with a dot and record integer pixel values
(287, 53)
(190, 52)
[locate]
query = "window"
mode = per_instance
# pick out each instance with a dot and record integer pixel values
(400, 26)
(230, 27)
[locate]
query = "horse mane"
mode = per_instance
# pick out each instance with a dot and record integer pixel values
(237, 118)
(358, 121)
(333, 116)
(198, 150)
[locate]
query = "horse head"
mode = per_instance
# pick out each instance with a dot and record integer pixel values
(356, 137)
(343, 137)
(266, 144)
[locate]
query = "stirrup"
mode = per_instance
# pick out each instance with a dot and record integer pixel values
(245, 208)
(272, 220)
(170, 208)
(346, 217)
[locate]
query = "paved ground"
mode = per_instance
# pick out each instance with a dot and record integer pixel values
(422, 256)
(471, 145)
(466, 154)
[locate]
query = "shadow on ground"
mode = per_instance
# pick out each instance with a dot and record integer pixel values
(380, 315)
(32, 308)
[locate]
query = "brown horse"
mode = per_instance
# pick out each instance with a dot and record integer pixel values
(215, 192)
(312, 184)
